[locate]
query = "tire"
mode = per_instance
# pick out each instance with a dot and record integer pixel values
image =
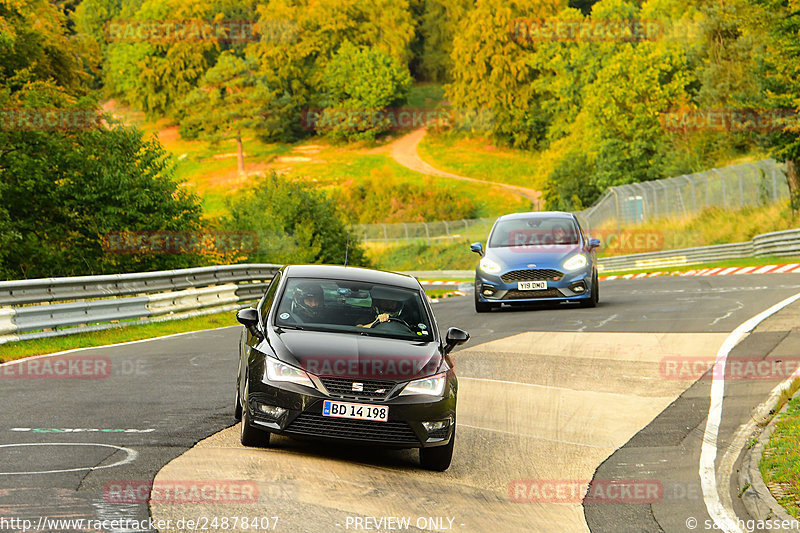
(249, 435)
(594, 299)
(237, 407)
(438, 458)
(481, 307)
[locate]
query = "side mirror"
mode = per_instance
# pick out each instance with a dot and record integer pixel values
(594, 243)
(454, 337)
(478, 249)
(249, 319)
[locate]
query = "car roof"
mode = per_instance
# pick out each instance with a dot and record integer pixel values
(351, 274)
(538, 214)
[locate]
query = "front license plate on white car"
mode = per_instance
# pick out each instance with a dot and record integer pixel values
(358, 411)
(531, 285)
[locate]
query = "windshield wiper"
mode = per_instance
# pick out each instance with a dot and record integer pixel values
(279, 329)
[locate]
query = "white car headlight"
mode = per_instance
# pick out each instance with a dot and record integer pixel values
(432, 386)
(278, 371)
(575, 262)
(489, 266)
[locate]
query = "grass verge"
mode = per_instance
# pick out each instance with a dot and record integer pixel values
(17, 350)
(477, 157)
(780, 463)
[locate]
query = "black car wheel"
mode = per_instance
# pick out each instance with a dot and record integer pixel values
(594, 299)
(237, 408)
(251, 436)
(438, 458)
(480, 306)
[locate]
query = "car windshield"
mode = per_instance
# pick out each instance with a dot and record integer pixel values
(534, 231)
(353, 307)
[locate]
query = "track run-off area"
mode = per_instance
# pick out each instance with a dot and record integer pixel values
(550, 399)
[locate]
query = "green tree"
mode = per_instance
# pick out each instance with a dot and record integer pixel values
(298, 39)
(232, 100)
(359, 82)
(493, 68)
(35, 45)
(155, 73)
(779, 74)
(440, 22)
(294, 224)
(65, 191)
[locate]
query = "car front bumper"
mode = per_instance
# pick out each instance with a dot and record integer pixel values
(303, 416)
(492, 289)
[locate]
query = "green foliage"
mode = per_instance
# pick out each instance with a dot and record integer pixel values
(300, 38)
(493, 69)
(440, 23)
(359, 81)
(65, 190)
(35, 45)
(156, 74)
(385, 198)
(232, 100)
(294, 224)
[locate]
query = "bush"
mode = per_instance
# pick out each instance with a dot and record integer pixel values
(358, 83)
(294, 224)
(384, 198)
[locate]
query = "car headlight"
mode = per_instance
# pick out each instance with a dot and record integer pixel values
(489, 266)
(432, 386)
(575, 262)
(281, 372)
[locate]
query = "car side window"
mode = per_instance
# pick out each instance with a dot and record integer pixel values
(269, 297)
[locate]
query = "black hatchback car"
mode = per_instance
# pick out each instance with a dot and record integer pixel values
(348, 354)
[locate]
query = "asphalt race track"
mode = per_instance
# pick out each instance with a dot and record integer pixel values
(550, 398)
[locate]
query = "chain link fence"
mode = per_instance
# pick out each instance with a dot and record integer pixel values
(748, 184)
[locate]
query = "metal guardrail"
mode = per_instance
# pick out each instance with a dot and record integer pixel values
(780, 243)
(62, 306)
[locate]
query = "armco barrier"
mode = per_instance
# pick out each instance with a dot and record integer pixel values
(779, 243)
(62, 306)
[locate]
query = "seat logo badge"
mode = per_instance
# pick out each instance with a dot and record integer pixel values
(532, 265)
(358, 387)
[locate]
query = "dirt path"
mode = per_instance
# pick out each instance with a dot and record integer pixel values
(404, 151)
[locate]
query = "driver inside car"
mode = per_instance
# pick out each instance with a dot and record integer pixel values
(307, 302)
(385, 309)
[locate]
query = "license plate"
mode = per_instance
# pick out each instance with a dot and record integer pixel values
(358, 411)
(531, 285)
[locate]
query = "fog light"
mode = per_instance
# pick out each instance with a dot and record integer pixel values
(579, 288)
(430, 427)
(272, 411)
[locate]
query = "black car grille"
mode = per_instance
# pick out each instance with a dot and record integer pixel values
(343, 388)
(525, 295)
(391, 432)
(535, 274)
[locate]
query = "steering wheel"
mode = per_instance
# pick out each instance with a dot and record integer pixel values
(394, 319)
